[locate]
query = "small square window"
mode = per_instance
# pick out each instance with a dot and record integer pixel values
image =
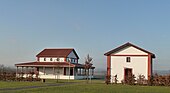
(127, 59)
(51, 59)
(58, 59)
(71, 60)
(44, 59)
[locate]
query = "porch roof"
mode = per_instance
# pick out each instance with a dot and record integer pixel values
(50, 64)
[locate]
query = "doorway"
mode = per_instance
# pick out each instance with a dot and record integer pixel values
(127, 73)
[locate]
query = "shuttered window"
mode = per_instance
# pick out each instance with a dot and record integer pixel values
(128, 59)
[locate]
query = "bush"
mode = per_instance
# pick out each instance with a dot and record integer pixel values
(130, 80)
(156, 80)
(141, 80)
(107, 80)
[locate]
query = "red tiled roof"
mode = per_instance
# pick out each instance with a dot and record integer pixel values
(56, 53)
(127, 45)
(45, 64)
(50, 64)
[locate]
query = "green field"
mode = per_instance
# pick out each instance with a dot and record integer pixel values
(79, 86)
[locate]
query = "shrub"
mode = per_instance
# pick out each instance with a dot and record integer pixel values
(107, 80)
(141, 80)
(130, 80)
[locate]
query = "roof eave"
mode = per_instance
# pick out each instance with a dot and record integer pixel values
(125, 45)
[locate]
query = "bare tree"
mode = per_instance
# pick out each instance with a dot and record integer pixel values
(87, 66)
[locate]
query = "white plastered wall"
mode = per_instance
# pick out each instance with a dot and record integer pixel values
(138, 64)
(130, 51)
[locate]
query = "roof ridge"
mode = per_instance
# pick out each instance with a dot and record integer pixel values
(56, 52)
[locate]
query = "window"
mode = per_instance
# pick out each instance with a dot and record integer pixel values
(127, 59)
(51, 59)
(69, 60)
(74, 60)
(58, 59)
(44, 59)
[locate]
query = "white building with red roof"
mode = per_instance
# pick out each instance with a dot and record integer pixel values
(128, 60)
(55, 64)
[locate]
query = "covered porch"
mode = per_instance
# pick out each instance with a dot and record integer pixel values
(53, 70)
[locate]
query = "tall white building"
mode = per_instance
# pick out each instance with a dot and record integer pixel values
(129, 59)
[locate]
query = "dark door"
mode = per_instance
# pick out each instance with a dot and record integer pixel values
(64, 70)
(71, 71)
(127, 73)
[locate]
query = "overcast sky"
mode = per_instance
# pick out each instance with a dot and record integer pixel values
(89, 26)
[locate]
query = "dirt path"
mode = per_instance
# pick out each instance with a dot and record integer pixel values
(30, 87)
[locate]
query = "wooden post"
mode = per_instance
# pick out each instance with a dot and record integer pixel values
(53, 71)
(76, 70)
(35, 69)
(44, 70)
(63, 70)
(85, 72)
(31, 69)
(26, 71)
(73, 71)
(79, 70)
(21, 69)
(17, 71)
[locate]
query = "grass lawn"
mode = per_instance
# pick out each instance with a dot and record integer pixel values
(16, 84)
(82, 87)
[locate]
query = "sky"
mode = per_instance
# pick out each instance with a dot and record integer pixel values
(89, 26)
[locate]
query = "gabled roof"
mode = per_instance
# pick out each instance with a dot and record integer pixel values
(56, 52)
(128, 45)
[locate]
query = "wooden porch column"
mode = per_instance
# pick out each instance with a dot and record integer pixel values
(21, 69)
(26, 71)
(76, 69)
(44, 70)
(73, 71)
(80, 71)
(31, 69)
(53, 71)
(92, 72)
(63, 70)
(35, 69)
(84, 72)
(16, 71)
